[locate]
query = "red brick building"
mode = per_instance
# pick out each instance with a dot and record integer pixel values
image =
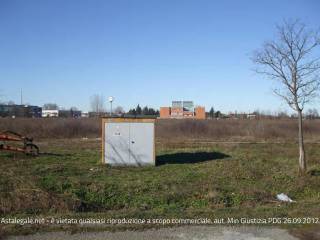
(183, 109)
(200, 113)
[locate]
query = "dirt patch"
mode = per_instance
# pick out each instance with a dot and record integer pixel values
(309, 233)
(178, 233)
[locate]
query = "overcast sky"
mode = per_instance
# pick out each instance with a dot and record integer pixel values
(141, 51)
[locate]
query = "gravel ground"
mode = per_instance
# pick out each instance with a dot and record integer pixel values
(179, 233)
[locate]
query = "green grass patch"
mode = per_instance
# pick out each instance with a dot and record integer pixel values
(192, 180)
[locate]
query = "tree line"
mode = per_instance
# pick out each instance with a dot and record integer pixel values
(143, 111)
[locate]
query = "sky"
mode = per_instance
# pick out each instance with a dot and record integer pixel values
(146, 52)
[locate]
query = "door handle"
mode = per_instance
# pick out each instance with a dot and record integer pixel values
(132, 142)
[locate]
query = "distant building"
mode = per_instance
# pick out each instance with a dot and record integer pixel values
(50, 113)
(97, 114)
(84, 114)
(69, 113)
(241, 116)
(183, 109)
(14, 111)
(61, 113)
(251, 116)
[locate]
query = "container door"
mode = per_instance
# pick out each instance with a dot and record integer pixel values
(117, 143)
(141, 144)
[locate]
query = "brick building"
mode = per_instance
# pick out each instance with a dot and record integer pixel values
(183, 109)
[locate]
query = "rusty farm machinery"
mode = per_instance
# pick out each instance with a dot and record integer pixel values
(28, 147)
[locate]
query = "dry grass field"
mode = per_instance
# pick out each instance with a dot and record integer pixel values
(172, 130)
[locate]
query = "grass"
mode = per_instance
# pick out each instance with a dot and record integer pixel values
(215, 180)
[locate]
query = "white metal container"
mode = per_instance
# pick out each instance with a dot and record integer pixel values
(128, 141)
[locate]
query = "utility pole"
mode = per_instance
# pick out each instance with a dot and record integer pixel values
(111, 100)
(21, 96)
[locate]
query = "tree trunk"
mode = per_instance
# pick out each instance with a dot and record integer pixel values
(302, 159)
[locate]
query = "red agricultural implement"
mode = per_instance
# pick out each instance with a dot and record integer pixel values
(28, 147)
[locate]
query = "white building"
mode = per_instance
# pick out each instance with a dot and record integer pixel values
(50, 113)
(84, 114)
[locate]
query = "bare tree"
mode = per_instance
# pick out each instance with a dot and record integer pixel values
(312, 114)
(119, 110)
(1, 97)
(292, 62)
(97, 103)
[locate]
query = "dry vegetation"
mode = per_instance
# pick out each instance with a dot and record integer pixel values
(228, 129)
(234, 130)
(53, 127)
